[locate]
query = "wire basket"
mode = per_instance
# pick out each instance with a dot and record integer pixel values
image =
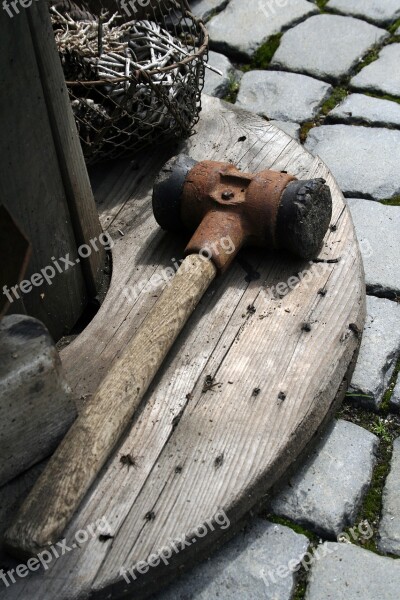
(134, 71)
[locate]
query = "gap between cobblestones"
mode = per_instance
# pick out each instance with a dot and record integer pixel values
(321, 5)
(387, 427)
(301, 585)
(385, 404)
(382, 96)
(344, 89)
(393, 28)
(233, 90)
(325, 8)
(301, 575)
(263, 56)
(395, 201)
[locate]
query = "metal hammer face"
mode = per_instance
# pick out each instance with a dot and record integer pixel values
(215, 200)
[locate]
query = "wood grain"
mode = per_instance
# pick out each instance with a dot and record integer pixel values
(89, 442)
(31, 185)
(73, 170)
(198, 447)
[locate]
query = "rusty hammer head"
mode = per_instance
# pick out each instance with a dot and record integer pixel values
(216, 201)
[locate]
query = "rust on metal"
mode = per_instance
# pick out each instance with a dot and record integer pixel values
(229, 203)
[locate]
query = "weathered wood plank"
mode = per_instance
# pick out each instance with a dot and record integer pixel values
(73, 170)
(31, 186)
(226, 447)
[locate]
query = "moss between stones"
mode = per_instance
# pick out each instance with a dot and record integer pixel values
(381, 96)
(393, 27)
(385, 405)
(305, 130)
(395, 201)
(369, 58)
(340, 93)
(373, 54)
(301, 585)
(294, 526)
(372, 506)
(321, 4)
(334, 99)
(380, 429)
(265, 52)
(233, 90)
(387, 430)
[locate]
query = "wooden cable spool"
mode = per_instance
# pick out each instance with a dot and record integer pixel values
(202, 439)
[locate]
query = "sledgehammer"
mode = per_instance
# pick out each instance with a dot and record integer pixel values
(268, 209)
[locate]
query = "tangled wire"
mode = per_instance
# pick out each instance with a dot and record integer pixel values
(133, 79)
(82, 36)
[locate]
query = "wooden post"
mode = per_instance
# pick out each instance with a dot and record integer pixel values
(44, 183)
(73, 170)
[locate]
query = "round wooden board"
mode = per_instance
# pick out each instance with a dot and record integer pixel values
(278, 360)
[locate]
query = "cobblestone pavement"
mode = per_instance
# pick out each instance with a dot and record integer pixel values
(328, 73)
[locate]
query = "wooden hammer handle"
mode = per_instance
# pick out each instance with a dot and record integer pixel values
(84, 450)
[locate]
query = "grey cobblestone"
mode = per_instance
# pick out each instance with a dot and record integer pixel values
(361, 109)
(364, 160)
(380, 347)
(347, 572)
(282, 96)
(203, 9)
(382, 75)
(37, 406)
(378, 231)
(395, 399)
(313, 48)
(217, 85)
(326, 493)
(389, 527)
(383, 12)
(246, 568)
(244, 26)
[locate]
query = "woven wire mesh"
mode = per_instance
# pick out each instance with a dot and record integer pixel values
(134, 71)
